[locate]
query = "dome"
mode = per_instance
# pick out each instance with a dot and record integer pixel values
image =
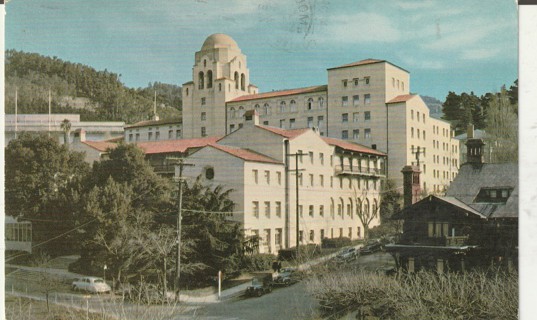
(219, 40)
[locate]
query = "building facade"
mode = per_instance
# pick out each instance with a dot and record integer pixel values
(327, 183)
(154, 130)
(367, 102)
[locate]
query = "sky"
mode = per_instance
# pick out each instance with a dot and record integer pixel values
(456, 45)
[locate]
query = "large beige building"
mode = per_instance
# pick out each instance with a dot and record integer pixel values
(368, 102)
(338, 183)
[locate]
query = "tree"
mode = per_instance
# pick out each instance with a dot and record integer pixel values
(502, 128)
(43, 184)
(367, 211)
(65, 125)
(390, 203)
(462, 110)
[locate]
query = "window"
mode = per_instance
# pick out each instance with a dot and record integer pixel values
(312, 235)
(231, 128)
(203, 116)
(402, 86)
(412, 114)
(311, 210)
(293, 105)
(345, 117)
(321, 210)
(267, 209)
(291, 123)
(300, 210)
(310, 122)
(243, 82)
(367, 98)
(320, 122)
(279, 177)
(412, 132)
(236, 78)
(345, 83)
(255, 176)
(209, 79)
(137, 137)
(311, 156)
(157, 135)
(356, 134)
(282, 123)
(366, 80)
(219, 87)
(203, 132)
(321, 102)
(397, 84)
(393, 82)
(267, 176)
(170, 134)
(345, 134)
(355, 81)
(150, 136)
(321, 180)
(130, 137)
(367, 133)
(200, 80)
(309, 104)
(355, 100)
(418, 133)
(367, 115)
(282, 107)
(301, 236)
(203, 101)
(423, 116)
(356, 117)
(311, 180)
(278, 209)
(255, 208)
(344, 101)
(350, 232)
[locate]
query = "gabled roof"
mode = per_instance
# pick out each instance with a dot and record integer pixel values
(473, 177)
(154, 123)
(173, 146)
(365, 62)
(425, 204)
(101, 146)
(351, 146)
(401, 98)
(287, 133)
(245, 154)
(281, 93)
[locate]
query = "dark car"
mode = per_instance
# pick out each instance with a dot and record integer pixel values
(261, 284)
(371, 246)
(286, 277)
(347, 254)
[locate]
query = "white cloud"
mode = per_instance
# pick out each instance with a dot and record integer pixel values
(480, 53)
(361, 27)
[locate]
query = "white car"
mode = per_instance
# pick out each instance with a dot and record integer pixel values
(91, 284)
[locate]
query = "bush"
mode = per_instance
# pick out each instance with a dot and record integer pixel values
(336, 242)
(472, 295)
(258, 262)
(305, 252)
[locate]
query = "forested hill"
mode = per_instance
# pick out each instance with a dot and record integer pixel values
(77, 88)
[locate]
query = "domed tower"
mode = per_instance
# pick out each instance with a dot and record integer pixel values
(219, 75)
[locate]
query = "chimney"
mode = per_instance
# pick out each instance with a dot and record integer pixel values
(251, 117)
(79, 135)
(411, 185)
(474, 151)
(470, 131)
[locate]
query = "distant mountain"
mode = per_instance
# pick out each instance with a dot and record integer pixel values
(435, 106)
(77, 88)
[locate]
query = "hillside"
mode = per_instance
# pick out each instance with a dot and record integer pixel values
(435, 106)
(77, 88)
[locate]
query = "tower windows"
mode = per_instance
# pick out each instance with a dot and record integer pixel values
(201, 79)
(236, 80)
(243, 82)
(209, 79)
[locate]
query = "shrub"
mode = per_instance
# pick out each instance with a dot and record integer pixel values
(336, 242)
(305, 252)
(258, 262)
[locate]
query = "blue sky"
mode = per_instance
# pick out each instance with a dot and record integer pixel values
(456, 45)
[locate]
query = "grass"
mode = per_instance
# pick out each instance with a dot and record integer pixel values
(472, 295)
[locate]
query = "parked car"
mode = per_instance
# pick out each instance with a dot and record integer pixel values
(347, 254)
(286, 277)
(261, 284)
(371, 246)
(91, 284)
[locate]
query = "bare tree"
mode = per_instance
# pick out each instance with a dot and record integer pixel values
(367, 209)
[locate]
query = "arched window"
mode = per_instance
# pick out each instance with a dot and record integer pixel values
(332, 208)
(321, 102)
(241, 112)
(231, 113)
(201, 80)
(309, 104)
(366, 207)
(204, 62)
(243, 82)
(293, 105)
(209, 79)
(187, 91)
(257, 108)
(350, 208)
(266, 109)
(358, 207)
(236, 80)
(219, 87)
(282, 106)
(340, 207)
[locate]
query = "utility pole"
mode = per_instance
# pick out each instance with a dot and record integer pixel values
(181, 164)
(297, 175)
(418, 151)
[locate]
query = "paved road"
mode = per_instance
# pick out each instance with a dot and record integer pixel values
(282, 303)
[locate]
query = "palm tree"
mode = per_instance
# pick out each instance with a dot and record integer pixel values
(66, 128)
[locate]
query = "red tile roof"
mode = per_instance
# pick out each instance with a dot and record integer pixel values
(402, 98)
(172, 146)
(290, 134)
(245, 154)
(281, 93)
(347, 145)
(101, 145)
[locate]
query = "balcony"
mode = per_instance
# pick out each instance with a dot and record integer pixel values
(352, 170)
(457, 241)
(164, 169)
